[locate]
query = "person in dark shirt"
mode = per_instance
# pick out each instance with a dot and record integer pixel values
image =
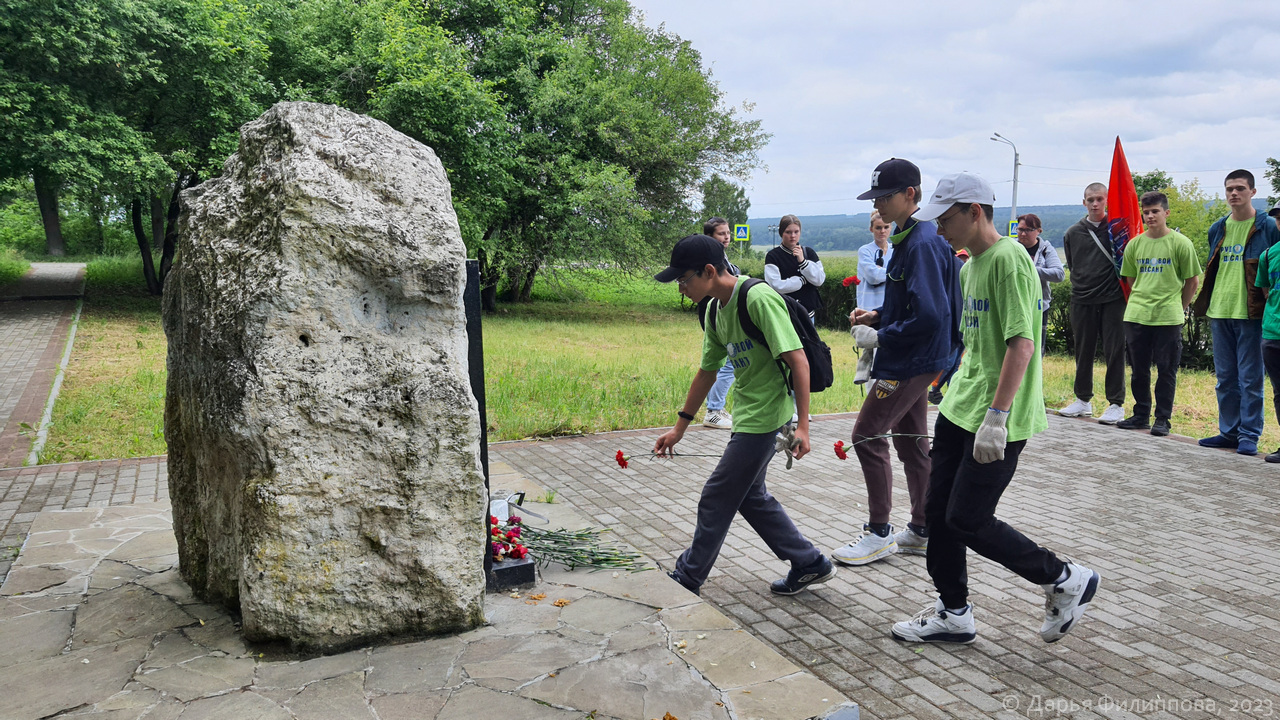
(1097, 308)
(794, 270)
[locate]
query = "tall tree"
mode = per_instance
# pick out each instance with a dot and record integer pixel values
(1154, 180)
(721, 198)
(1273, 174)
(67, 72)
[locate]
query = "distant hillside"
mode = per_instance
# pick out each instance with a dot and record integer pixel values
(850, 232)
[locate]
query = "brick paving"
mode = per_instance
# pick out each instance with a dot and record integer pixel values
(24, 492)
(33, 334)
(1186, 624)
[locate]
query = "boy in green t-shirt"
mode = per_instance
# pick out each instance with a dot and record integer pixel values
(1164, 270)
(994, 405)
(1269, 280)
(1234, 304)
(762, 406)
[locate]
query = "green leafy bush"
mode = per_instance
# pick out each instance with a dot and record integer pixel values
(12, 266)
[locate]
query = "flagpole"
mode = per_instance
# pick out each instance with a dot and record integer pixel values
(1013, 211)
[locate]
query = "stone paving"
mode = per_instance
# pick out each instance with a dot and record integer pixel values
(33, 333)
(1186, 623)
(97, 623)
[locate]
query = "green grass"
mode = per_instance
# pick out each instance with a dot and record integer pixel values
(112, 399)
(587, 356)
(12, 266)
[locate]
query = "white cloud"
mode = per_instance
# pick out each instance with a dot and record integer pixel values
(845, 85)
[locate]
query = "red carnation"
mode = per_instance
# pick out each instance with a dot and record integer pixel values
(493, 519)
(514, 520)
(851, 280)
(622, 459)
(840, 451)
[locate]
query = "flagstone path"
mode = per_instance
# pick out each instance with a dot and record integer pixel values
(1187, 541)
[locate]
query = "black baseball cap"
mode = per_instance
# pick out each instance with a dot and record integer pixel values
(692, 253)
(891, 176)
(1275, 211)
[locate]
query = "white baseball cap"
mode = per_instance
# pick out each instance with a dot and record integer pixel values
(961, 187)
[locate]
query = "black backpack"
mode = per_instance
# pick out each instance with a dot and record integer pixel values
(821, 374)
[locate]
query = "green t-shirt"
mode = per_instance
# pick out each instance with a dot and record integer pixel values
(1001, 301)
(1229, 300)
(1269, 278)
(761, 402)
(1159, 267)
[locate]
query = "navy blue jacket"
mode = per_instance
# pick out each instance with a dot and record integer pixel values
(920, 319)
(1261, 236)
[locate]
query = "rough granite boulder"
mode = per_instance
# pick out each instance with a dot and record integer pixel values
(323, 438)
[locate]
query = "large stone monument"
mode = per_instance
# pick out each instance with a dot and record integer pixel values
(323, 438)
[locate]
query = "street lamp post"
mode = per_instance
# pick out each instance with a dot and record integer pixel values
(1013, 211)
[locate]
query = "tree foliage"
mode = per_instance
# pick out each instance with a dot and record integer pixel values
(570, 132)
(721, 198)
(1154, 180)
(1273, 174)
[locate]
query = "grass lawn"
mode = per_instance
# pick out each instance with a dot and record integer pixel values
(618, 356)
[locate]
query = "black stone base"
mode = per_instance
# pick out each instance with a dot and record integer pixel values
(510, 574)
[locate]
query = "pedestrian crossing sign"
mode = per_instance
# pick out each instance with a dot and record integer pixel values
(1013, 228)
(742, 233)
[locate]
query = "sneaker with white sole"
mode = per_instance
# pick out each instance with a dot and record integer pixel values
(1079, 408)
(797, 580)
(1112, 415)
(910, 543)
(718, 419)
(1065, 602)
(866, 549)
(936, 624)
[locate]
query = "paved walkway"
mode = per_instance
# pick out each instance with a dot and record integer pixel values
(98, 623)
(1186, 624)
(33, 333)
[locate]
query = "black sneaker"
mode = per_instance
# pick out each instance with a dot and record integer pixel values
(1273, 457)
(1161, 428)
(676, 577)
(798, 580)
(1133, 423)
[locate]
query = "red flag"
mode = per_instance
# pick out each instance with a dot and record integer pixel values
(1124, 214)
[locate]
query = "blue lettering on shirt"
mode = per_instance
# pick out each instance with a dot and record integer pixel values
(972, 307)
(734, 349)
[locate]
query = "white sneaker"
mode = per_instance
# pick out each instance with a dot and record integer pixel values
(1065, 602)
(718, 419)
(909, 543)
(1112, 415)
(938, 624)
(1079, 408)
(866, 549)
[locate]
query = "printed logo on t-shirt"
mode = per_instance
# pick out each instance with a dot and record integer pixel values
(734, 349)
(972, 307)
(1153, 265)
(1232, 253)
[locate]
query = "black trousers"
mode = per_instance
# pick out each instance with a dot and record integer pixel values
(1088, 324)
(960, 509)
(1271, 361)
(1162, 345)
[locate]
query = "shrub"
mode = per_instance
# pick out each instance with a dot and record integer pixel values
(12, 266)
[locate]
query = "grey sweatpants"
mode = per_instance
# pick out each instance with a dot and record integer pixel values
(737, 486)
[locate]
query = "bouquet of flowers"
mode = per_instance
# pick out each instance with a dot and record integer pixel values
(504, 539)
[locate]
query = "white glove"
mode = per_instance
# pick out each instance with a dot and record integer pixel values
(865, 336)
(865, 360)
(988, 444)
(785, 442)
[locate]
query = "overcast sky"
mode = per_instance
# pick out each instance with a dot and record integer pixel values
(1192, 88)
